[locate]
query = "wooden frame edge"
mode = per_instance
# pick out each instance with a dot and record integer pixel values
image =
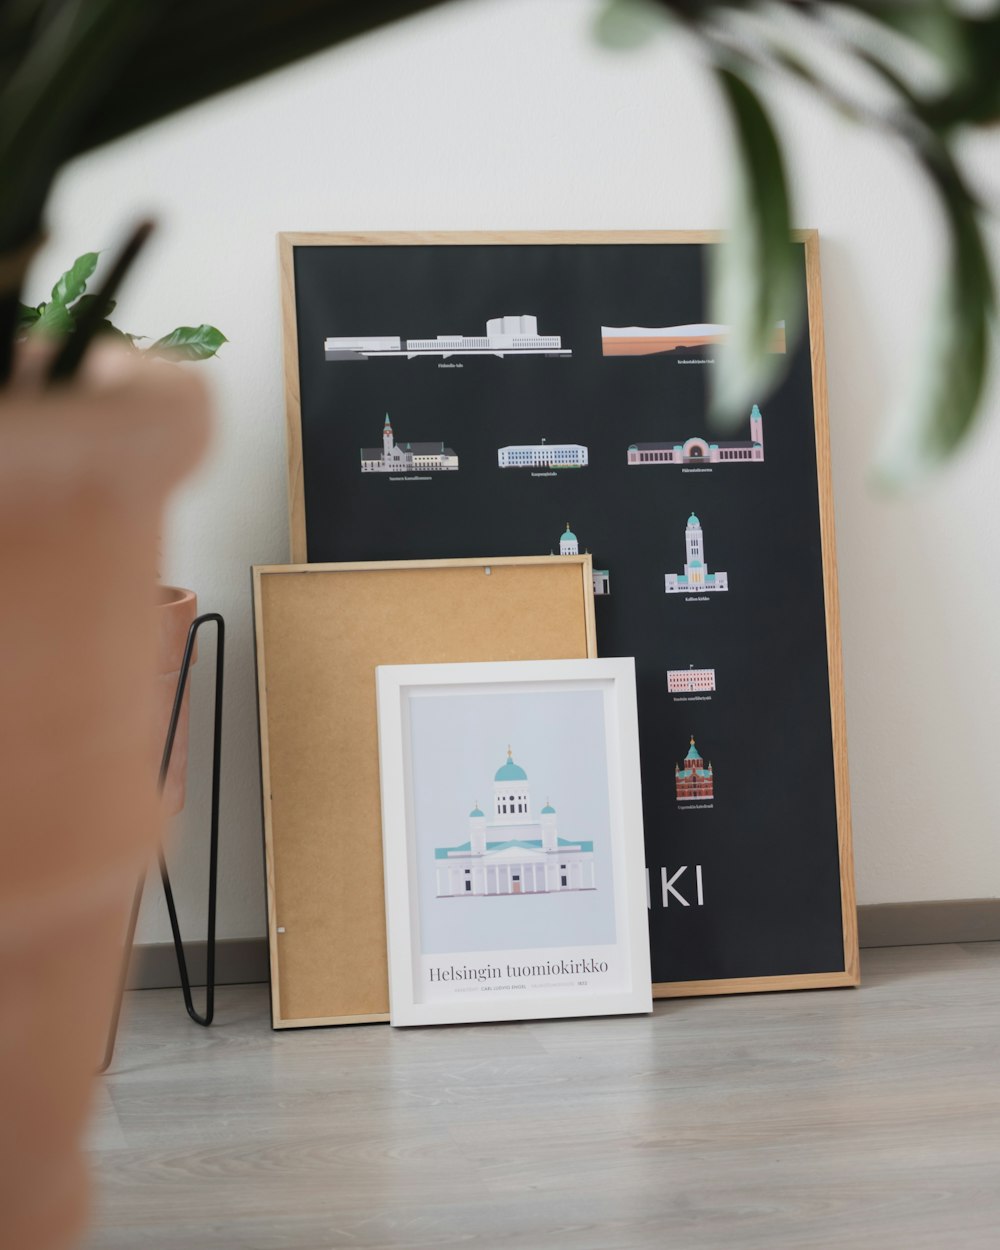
(298, 549)
(274, 980)
(319, 1022)
(756, 985)
(831, 598)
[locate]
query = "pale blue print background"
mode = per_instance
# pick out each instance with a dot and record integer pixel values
(458, 743)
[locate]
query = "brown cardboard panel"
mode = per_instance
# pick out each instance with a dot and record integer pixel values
(321, 632)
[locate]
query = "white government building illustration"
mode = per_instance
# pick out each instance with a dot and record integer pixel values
(696, 576)
(510, 852)
(393, 457)
(569, 545)
(543, 455)
(690, 680)
(505, 336)
(697, 451)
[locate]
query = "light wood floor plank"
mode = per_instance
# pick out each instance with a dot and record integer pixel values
(862, 1119)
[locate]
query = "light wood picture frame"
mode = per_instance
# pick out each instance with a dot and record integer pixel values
(320, 632)
(802, 933)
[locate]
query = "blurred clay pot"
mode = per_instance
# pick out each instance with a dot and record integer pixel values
(84, 473)
(176, 608)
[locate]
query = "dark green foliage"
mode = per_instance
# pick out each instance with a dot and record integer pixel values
(923, 115)
(78, 73)
(61, 314)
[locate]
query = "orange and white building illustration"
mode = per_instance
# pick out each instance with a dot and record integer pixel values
(651, 340)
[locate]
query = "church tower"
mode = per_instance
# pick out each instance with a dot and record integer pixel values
(568, 545)
(757, 433)
(550, 834)
(511, 801)
(695, 539)
(387, 440)
(477, 831)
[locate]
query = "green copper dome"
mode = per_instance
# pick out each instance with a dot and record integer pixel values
(693, 520)
(692, 752)
(548, 810)
(475, 813)
(510, 771)
(567, 536)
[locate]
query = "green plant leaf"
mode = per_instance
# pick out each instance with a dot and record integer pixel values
(85, 301)
(56, 317)
(74, 281)
(106, 330)
(753, 285)
(189, 343)
(626, 24)
(27, 316)
(939, 408)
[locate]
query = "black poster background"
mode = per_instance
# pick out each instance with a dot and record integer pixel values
(768, 846)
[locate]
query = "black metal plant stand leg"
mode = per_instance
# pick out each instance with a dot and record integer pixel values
(213, 850)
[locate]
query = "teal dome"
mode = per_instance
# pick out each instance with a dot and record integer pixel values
(548, 810)
(693, 520)
(475, 813)
(568, 536)
(510, 771)
(693, 752)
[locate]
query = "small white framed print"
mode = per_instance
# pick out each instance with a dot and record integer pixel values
(512, 840)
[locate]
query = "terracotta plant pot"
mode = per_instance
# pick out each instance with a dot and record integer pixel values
(176, 608)
(84, 473)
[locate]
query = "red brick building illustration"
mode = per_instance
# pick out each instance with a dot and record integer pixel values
(694, 780)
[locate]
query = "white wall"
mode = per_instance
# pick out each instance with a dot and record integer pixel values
(358, 138)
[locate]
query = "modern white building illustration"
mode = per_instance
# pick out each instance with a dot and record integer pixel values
(569, 545)
(696, 577)
(543, 455)
(393, 457)
(509, 852)
(690, 680)
(697, 451)
(505, 336)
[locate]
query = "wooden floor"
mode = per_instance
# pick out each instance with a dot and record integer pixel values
(845, 1118)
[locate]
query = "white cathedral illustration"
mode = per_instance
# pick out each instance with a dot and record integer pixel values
(696, 576)
(511, 853)
(569, 545)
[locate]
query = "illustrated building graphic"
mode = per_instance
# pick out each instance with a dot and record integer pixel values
(698, 451)
(570, 546)
(511, 853)
(696, 576)
(690, 680)
(393, 457)
(505, 336)
(694, 780)
(543, 455)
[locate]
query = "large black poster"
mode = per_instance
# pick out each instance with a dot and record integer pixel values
(483, 398)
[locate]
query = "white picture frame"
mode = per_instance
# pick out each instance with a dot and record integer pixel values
(513, 912)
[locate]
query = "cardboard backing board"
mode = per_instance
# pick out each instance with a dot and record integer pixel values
(596, 414)
(321, 630)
